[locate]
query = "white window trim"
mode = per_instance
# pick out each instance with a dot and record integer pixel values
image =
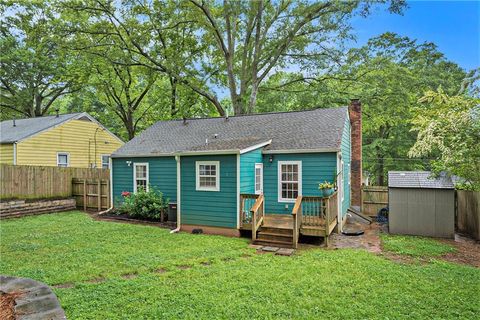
(258, 165)
(217, 175)
(135, 164)
(279, 178)
(342, 182)
(101, 160)
(64, 154)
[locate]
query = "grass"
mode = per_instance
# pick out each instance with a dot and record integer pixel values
(236, 283)
(415, 246)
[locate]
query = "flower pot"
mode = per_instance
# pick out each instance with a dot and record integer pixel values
(326, 192)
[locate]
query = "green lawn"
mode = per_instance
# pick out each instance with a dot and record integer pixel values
(237, 283)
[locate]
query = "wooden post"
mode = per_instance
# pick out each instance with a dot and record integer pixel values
(99, 194)
(107, 189)
(254, 225)
(84, 194)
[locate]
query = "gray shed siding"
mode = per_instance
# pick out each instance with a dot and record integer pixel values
(422, 212)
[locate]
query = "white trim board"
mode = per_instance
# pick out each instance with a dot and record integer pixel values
(279, 180)
(238, 191)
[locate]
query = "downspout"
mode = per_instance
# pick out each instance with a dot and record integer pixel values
(177, 229)
(111, 188)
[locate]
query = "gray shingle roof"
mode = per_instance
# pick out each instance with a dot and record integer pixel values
(305, 130)
(25, 128)
(419, 179)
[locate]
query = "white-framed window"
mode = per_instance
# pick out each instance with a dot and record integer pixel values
(258, 178)
(208, 175)
(140, 176)
(105, 160)
(63, 159)
(289, 180)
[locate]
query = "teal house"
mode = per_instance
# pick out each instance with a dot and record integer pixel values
(256, 174)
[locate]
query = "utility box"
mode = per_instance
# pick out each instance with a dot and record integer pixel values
(420, 204)
(172, 212)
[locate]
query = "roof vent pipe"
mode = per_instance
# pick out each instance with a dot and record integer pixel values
(56, 111)
(14, 124)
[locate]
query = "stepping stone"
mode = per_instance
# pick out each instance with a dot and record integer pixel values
(255, 246)
(285, 252)
(270, 249)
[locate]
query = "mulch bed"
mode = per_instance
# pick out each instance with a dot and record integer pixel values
(7, 305)
(126, 219)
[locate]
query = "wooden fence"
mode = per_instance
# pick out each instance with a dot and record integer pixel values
(91, 193)
(374, 198)
(38, 182)
(468, 213)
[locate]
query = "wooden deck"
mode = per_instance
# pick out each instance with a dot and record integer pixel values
(311, 215)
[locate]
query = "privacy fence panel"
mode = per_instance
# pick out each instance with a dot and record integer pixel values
(91, 193)
(468, 213)
(374, 198)
(41, 182)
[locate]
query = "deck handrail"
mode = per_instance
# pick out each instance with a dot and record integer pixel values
(296, 215)
(258, 215)
(247, 200)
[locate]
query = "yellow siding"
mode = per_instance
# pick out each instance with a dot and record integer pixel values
(76, 137)
(6, 153)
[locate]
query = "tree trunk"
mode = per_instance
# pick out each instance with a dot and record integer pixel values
(130, 127)
(173, 97)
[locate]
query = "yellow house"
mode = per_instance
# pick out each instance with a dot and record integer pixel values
(65, 140)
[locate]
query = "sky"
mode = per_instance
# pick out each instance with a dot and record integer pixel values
(454, 26)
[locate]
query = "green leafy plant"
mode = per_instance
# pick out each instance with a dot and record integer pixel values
(144, 204)
(326, 185)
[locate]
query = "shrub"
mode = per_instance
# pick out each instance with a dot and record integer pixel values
(144, 204)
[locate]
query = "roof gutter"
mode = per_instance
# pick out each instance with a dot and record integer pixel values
(318, 150)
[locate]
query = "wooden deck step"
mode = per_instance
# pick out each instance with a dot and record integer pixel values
(268, 236)
(275, 243)
(280, 231)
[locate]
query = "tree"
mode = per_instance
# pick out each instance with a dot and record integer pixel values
(235, 45)
(450, 126)
(34, 68)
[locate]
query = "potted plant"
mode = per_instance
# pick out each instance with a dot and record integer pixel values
(326, 189)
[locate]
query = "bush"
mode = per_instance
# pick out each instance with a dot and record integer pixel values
(144, 204)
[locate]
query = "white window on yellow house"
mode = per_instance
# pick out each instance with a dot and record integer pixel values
(63, 159)
(105, 158)
(140, 174)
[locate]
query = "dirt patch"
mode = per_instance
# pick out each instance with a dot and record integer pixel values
(67, 285)
(7, 305)
(96, 280)
(184, 267)
(129, 276)
(206, 263)
(161, 270)
(369, 241)
(467, 251)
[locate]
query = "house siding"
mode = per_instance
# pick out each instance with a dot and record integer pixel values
(162, 175)
(6, 153)
(247, 170)
(346, 157)
(209, 208)
(75, 137)
(316, 168)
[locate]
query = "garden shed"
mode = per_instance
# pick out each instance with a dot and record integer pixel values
(421, 204)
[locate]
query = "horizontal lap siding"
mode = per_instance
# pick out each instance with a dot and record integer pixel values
(77, 137)
(209, 208)
(247, 170)
(6, 153)
(346, 156)
(162, 176)
(316, 168)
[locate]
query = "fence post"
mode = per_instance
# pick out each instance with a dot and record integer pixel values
(99, 194)
(84, 194)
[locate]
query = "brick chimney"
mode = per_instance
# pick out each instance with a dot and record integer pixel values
(355, 113)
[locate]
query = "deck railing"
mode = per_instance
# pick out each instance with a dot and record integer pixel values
(314, 212)
(258, 214)
(246, 203)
